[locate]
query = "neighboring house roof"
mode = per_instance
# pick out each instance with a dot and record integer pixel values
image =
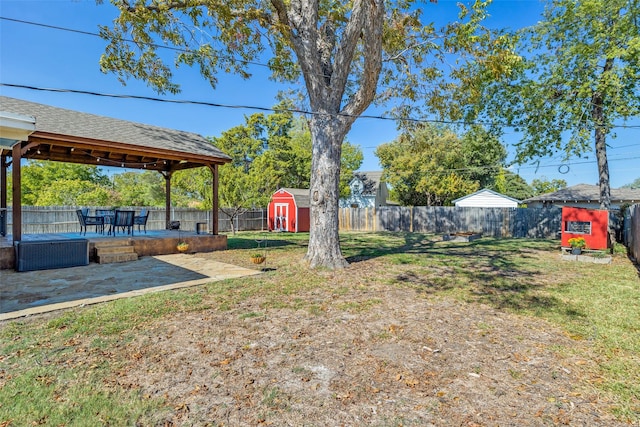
(371, 181)
(587, 193)
(111, 135)
(300, 195)
(484, 191)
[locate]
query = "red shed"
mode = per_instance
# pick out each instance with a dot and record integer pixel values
(592, 224)
(288, 210)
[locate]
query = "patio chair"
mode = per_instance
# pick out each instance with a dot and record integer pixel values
(124, 220)
(141, 220)
(86, 221)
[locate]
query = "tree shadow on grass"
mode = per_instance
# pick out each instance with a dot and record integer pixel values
(502, 273)
(512, 290)
(373, 245)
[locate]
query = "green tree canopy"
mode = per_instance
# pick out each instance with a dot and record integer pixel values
(291, 158)
(633, 185)
(544, 185)
(513, 185)
(55, 183)
(430, 165)
(138, 189)
(73, 192)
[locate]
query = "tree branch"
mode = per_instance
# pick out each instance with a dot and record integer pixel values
(372, 33)
(299, 27)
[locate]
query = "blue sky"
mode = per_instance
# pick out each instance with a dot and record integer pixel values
(49, 58)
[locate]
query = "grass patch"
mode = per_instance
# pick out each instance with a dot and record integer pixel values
(57, 381)
(60, 371)
(357, 306)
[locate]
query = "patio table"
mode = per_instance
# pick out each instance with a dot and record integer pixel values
(108, 218)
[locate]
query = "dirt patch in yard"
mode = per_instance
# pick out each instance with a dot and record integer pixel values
(374, 355)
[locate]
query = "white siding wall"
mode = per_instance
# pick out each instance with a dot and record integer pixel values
(486, 199)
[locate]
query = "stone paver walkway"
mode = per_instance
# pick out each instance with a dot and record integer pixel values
(35, 292)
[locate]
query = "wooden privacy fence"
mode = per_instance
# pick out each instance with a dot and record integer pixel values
(631, 231)
(494, 222)
(63, 219)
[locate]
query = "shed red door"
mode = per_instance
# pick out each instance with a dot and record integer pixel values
(281, 216)
(282, 211)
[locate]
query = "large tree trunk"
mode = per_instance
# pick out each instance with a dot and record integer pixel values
(601, 131)
(603, 168)
(603, 179)
(326, 58)
(598, 117)
(324, 243)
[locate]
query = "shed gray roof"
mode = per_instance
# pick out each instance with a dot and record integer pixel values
(586, 193)
(300, 195)
(60, 121)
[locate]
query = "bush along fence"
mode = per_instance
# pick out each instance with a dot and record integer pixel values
(63, 219)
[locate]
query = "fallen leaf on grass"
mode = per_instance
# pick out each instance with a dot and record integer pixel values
(344, 396)
(411, 382)
(183, 407)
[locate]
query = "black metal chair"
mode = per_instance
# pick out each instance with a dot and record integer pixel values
(88, 221)
(123, 220)
(141, 220)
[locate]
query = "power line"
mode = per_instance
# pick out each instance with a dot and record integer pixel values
(219, 105)
(53, 27)
(249, 107)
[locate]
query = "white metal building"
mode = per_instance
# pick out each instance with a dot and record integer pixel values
(486, 198)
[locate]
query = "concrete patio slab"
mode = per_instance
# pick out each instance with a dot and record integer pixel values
(35, 292)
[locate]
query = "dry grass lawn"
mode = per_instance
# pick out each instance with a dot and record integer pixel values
(414, 332)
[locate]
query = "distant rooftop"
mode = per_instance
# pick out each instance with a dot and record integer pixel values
(588, 193)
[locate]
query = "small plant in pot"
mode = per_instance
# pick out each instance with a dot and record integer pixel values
(577, 244)
(258, 258)
(182, 246)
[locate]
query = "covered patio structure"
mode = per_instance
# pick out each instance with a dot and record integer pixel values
(40, 132)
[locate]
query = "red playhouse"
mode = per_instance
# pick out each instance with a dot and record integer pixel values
(591, 224)
(288, 210)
